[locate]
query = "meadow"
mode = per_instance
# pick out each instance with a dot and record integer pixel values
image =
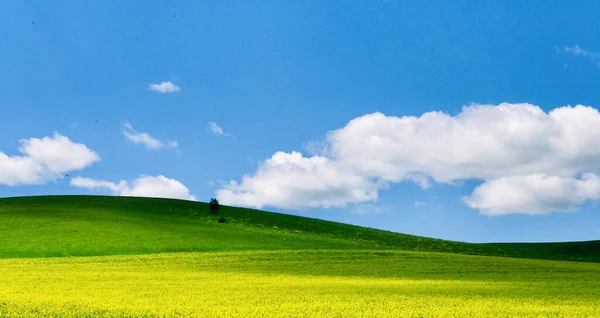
(55, 226)
(134, 257)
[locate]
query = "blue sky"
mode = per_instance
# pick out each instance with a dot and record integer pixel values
(238, 82)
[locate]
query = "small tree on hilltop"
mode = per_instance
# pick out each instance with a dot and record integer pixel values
(214, 205)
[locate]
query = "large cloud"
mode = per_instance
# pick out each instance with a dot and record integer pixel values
(43, 160)
(145, 186)
(483, 142)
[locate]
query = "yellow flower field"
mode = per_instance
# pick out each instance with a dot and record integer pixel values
(298, 284)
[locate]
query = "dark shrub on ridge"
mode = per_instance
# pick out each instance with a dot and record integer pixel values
(214, 205)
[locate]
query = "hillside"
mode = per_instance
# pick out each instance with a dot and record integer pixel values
(98, 225)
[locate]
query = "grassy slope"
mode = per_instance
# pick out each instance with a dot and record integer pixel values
(96, 225)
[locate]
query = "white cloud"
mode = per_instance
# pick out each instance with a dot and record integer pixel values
(164, 87)
(578, 51)
(419, 204)
(431, 203)
(91, 184)
(145, 138)
(369, 208)
(173, 144)
(289, 180)
(217, 130)
(145, 186)
(43, 160)
(482, 142)
(214, 128)
(534, 194)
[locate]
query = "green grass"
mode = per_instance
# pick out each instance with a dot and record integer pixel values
(97, 225)
(302, 283)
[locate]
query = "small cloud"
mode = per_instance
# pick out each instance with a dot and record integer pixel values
(144, 186)
(369, 208)
(141, 138)
(432, 203)
(420, 204)
(164, 87)
(145, 138)
(173, 144)
(217, 130)
(578, 51)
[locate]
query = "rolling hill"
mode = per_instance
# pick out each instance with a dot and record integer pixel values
(51, 226)
(142, 257)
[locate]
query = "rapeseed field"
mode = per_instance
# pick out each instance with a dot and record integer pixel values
(326, 283)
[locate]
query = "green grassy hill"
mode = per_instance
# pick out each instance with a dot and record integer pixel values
(98, 225)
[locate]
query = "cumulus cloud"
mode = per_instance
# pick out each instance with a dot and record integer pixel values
(43, 160)
(145, 138)
(289, 180)
(217, 130)
(145, 186)
(483, 142)
(164, 87)
(578, 51)
(534, 194)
